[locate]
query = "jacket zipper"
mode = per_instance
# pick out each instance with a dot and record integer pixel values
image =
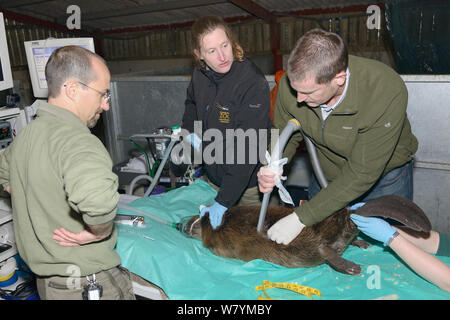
(323, 131)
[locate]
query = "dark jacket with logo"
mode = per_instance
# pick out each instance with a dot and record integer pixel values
(238, 99)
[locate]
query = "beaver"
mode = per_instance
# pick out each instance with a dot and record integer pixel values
(323, 242)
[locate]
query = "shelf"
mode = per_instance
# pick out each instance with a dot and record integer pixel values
(6, 112)
(8, 253)
(6, 217)
(5, 210)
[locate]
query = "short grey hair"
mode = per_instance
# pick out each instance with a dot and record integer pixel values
(69, 62)
(319, 54)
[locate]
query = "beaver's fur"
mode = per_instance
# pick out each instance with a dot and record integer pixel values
(322, 242)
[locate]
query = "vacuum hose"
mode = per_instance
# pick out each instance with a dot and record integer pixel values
(291, 126)
(315, 162)
(277, 152)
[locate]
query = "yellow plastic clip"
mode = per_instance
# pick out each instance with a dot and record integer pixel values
(304, 290)
(295, 121)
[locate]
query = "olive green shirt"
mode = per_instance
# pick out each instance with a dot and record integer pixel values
(60, 176)
(366, 136)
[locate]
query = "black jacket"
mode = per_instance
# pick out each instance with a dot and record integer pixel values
(238, 99)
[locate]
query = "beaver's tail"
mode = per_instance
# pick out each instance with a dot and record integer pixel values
(399, 209)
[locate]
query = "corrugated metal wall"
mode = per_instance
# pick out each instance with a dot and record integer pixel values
(17, 33)
(151, 44)
(254, 36)
(352, 28)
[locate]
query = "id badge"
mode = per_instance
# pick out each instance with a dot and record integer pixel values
(92, 291)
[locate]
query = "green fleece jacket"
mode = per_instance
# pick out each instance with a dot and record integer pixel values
(60, 176)
(366, 136)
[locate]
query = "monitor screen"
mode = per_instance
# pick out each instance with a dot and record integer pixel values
(6, 81)
(38, 52)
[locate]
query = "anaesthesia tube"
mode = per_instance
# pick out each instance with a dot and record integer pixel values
(138, 211)
(180, 226)
(160, 168)
(277, 152)
(154, 180)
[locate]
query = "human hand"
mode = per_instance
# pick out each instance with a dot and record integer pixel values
(286, 229)
(68, 239)
(357, 206)
(195, 141)
(266, 179)
(375, 228)
(216, 212)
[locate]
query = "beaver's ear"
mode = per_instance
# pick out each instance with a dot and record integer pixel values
(399, 209)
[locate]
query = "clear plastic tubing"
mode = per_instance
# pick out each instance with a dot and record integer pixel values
(140, 212)
(160, 168)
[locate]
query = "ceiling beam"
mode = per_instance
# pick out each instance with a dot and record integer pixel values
(11, 4)
(262, 13)
(254, 9)
(157, 7)
(54, 26)
(40, 23)
(171, 25)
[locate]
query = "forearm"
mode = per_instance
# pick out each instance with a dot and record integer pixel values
(101, 231)
(429, 244)
(329, 200)
(234, 184)
(92, 233)
(426, 265)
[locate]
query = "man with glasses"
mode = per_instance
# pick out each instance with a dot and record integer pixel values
(63, 190)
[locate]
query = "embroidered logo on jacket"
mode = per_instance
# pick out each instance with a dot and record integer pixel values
(224, 114)
(220, 107)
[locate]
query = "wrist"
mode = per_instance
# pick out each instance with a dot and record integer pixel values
(101, 231)
(195, 141)
(219, 206)
(391, 238)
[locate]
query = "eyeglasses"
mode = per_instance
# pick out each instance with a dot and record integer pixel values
(105, 95)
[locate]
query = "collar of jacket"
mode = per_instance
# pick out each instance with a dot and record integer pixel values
(61, 113)
(349, 105)
(216, 76)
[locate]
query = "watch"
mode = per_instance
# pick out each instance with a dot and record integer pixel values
(394, 235)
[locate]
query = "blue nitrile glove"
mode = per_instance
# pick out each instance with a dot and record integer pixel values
(357, 206)
(195, 141)
(375, 228)
(216, 212)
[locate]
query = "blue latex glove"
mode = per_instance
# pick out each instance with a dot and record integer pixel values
(195, 141)
(375, 228)
(216, 212)
(357, 206)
